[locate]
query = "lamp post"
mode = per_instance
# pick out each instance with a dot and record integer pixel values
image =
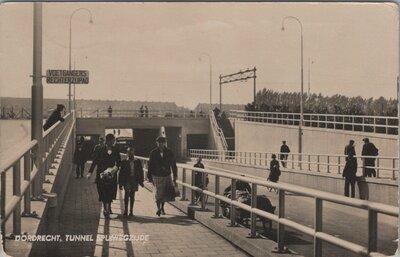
(302, 81)
(310, 62)
(74, 90)
(70, 41)
(210, 59)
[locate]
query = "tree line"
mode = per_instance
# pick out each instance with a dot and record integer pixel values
(268, 100)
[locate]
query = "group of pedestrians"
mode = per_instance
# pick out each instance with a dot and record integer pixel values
(144, 112)
(115, 170)
(368, 153)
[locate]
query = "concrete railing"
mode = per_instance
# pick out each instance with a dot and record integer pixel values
(372, 208)
(363, 123)
(386, 167)
(218, 131)
(32, 176)
(103, 113)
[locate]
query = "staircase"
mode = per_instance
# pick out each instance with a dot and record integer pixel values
(218, 132)
(227, 129)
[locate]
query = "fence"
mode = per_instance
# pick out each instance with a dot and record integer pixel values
(372, 208)
(363, 123)
(218, 130)
(386, 167)
(98, 113)
(28, 156)
(14, 113)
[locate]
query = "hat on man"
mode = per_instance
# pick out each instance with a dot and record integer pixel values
(366, 140)
(109, 136)
(161, 139)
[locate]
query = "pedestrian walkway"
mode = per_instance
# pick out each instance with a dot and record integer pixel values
(144, 235)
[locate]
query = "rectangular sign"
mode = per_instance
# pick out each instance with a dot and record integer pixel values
(67, 77)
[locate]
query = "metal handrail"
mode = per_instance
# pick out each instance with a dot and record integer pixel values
(373, 208)
(51, 142)
(308, 161)
(218, 130)
(101, 113)
(337, 121)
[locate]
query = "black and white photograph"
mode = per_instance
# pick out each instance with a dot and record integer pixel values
(211, 129)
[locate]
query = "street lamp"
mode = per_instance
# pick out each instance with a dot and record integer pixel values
(70, 40)
(209, 58)
(310, 62)
(302, 82)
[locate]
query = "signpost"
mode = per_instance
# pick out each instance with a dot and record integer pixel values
(67, 77)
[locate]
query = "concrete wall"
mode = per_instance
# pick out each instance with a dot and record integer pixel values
(87, 126)
(97, 126)
(262, 137)
(379, 190)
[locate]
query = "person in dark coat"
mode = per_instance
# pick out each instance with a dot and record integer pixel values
(80, 157)
(97, 147)
(109, 110)
(350, 149)
(107, 160)
(161, 162)
(274, 171)
(130, 177)
(284, 153)
(54, 117)
(141, 111)
(349, 173)
(240, 186)
(198, 178)
(369, 149)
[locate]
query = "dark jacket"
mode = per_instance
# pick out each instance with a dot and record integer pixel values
(53, 119)
(125, 173)
(198, 178)
(103, 160)
(275, 172)
(80, 154)
(349, 149)
(162, 166)
(369, 149)
(240, 186)
(350, 169)
(285, 149)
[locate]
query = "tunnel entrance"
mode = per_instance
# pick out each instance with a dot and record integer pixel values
(144, 140)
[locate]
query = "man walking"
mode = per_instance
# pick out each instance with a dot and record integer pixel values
(369, 149)
(284, 153)
(198, 178)
(80, 157)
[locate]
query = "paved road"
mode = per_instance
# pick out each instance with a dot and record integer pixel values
(342, 221)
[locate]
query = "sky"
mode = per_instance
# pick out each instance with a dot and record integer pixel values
(153, 51)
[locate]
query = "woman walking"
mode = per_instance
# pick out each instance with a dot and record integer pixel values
(107, 160)
(275, 172)
(161, 162)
